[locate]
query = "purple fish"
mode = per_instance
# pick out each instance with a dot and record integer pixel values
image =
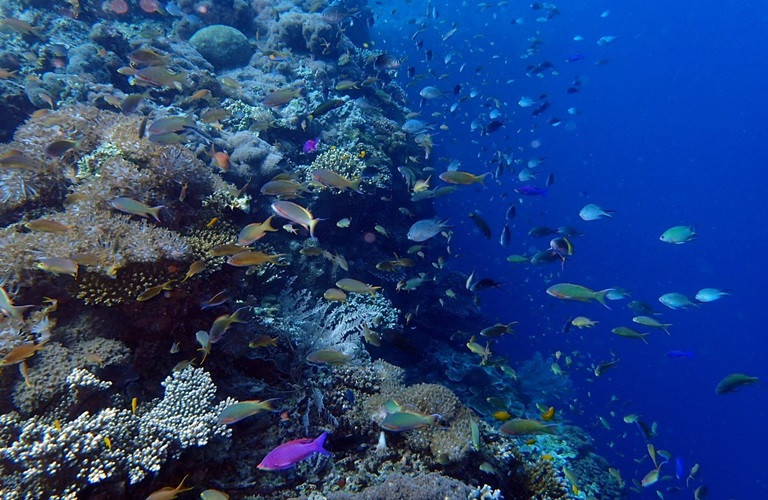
(531, 190)
(310, 146)
(680, 354)
(289, 454)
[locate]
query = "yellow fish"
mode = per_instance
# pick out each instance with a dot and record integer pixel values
(501, 416)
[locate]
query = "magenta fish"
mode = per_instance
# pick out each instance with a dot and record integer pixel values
(531, 190)
(289, 454)
(310, 146)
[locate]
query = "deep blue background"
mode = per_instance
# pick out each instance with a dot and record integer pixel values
(671, 131)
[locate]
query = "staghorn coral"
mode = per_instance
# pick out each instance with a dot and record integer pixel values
(38, 459)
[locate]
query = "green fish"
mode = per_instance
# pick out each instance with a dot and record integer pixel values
(407, 420)
(516, 259)
(623, 331)
(509, 371)
(485, 352)
(569, 291)
(650, 478)
(734, 381)
(519, 426)
(392, 406)
(325, 107)
(678, 235)
(243, 409)
(131, 206)
(652, 322)
(328, 357)
(475, 430)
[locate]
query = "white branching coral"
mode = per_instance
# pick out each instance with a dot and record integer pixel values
(44, 459)
(321, 324)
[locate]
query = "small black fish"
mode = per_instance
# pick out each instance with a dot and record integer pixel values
(550, 179)
(544, 106)
(481, 224)
(486, 283)
(493, 127)
(457, 89)
(411, 71)
(429, 55)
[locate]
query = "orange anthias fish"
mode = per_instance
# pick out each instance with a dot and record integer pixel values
(296, 213)
(20, 353)
(254, 232)
(281, 96)
(329, 178)
(169, 493)
(250, 258)
(549, 414)
(221, 158)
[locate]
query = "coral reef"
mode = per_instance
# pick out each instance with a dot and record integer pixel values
(56, 459)
(137, 143)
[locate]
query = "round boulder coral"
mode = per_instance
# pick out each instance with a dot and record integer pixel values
(223, 46)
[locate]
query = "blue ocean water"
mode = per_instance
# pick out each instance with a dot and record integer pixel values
(668, 129)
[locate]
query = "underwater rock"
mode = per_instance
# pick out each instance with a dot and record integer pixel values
(423, 486)
(85, 60)
(222, 46)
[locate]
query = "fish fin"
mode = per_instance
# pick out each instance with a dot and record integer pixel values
(319, 442)
(600, 297)
(155, 212)
(267, 404)
(355, 185)
(268, 224)
(312, 225)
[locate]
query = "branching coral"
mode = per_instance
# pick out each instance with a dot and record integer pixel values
(319, 324)
(40, 458)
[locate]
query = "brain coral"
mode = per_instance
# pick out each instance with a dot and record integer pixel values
(223, 46)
